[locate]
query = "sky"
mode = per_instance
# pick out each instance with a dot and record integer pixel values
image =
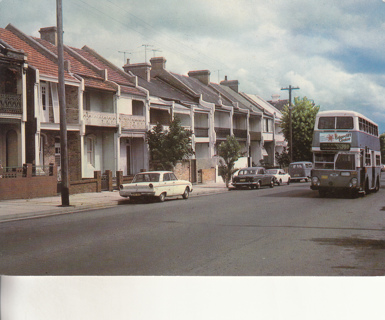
(332, 50)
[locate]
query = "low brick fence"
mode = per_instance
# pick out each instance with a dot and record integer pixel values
(28, 182)
(87, 185)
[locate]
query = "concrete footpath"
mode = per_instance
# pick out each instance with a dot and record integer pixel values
(38, 207)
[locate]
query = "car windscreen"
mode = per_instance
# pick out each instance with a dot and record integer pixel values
(146, 177)
(272, 171)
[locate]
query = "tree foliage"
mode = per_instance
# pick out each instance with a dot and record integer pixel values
(229, 151)
(303, 118)
(169, 147)
(283, 158)
(382, 144)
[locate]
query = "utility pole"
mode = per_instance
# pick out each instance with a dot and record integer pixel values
(62, 106)
(290, 88)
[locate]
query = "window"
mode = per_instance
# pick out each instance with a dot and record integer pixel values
(378, 160)
(86, 101)
(268, 125)
(44, 96)
(368, 159)
(326, 123)
(345, 162)
(324, 160)
(91, 151)
(344, 122)
(57, 152)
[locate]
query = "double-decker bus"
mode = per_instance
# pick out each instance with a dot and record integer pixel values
(346, 153)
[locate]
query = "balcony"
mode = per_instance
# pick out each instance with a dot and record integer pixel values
(101, 119)
(10, 103)
(201, 132)
(130, 122)
(240, 133)
(222, 132)
(255, 136)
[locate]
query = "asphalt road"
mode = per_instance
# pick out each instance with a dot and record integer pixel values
(284, 231)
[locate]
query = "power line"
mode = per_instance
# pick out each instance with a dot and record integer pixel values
(153, 30)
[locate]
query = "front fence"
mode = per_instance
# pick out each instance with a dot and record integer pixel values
(28, 181)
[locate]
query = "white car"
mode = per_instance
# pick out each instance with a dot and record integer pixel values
(280, 175)
(156, 184)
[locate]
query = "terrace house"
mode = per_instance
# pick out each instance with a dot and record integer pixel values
(13, 105)
(170, 97)
(42, 135)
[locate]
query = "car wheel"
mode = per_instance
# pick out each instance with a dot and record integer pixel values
(288, 181)
(258, 185)
(161, 197)
(186, 193)
(272, 183)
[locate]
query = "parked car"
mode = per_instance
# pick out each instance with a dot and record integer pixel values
(300, 170)
(156, 185)
(280, 176)
(253, 178)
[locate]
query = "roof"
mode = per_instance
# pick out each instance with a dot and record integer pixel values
(159, 88)
(208, 94)
(264, 104)
(114, 73)
(235, 97)
(46, 65)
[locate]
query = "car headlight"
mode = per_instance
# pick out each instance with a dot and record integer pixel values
(315, 181)
(121, 187)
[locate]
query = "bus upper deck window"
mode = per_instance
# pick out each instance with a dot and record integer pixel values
(344, 122)
(326, 123)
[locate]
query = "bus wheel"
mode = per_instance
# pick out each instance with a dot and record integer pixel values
(367, 190)
(377, 185)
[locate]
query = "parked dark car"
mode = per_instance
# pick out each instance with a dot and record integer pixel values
(253, 178)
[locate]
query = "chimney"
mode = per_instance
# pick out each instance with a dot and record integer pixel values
(49, 34)
(202, 75)
(158, 63)
(275, 97)
(142, 70)
(232, 84)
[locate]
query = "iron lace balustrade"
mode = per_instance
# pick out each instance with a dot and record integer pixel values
(10, 103)
(222, 132)
(201, 132)
(240, 133)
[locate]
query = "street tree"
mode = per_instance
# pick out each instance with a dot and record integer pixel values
(230, 152)
(303, 117)
(283, 158)
(170, 146)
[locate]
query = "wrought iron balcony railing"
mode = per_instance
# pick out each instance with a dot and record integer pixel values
(10, 103)
(222, 132)
(201, 132)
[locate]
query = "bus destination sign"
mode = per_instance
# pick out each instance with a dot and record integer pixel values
(335, 146)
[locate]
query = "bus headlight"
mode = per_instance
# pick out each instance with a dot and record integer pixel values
(353, 183)
(315, 181)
